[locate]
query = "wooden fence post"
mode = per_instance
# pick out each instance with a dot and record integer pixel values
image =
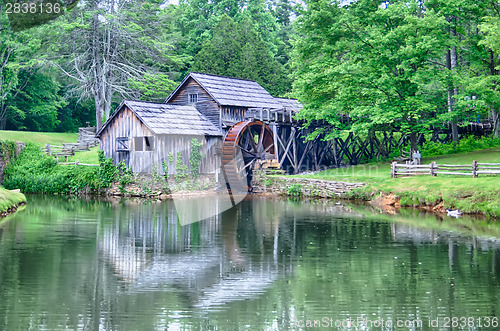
(433, 168)
(48, 149)
(393, 169)
(474, 169)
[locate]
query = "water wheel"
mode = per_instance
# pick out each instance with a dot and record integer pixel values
(246, 145)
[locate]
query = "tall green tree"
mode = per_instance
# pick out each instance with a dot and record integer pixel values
(237, 50)
(26, 93)
(35, 105)
(111, 50)
(371, 62)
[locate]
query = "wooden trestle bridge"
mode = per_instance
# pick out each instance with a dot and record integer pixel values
(274, 138)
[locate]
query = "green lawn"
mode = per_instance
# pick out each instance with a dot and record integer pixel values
(53, 138)
(39, 138)
(88, 157)
(474, 195)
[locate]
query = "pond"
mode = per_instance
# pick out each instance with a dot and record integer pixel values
(265, 264)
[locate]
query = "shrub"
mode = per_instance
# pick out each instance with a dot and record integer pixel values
(195, 158)
(126, 177)
(466, 144)
(107, 170)
(35, 172)
(181, 169)
(295, 190)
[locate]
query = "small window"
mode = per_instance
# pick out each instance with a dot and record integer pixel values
(138, 144)
(193, 98)
(122, 144)
(148, 143)
(144, 144)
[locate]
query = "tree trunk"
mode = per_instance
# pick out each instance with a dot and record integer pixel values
(413, 143)
(495, 111)
(496, 120)
(452, 64)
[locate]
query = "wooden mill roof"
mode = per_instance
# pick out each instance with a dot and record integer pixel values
(228, 91)
(290, 104)
(161, 118)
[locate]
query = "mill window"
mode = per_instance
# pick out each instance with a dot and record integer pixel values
(193, 98)
(145, 144)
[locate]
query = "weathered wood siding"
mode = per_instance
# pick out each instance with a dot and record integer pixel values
(232, 115)
(210, 163)
(124, 124)
(206, 105)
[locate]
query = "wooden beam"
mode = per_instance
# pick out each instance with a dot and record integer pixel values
(294, 148)
(286, 153)
(275, 141)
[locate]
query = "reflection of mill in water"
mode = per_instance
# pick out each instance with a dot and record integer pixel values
(149, 249)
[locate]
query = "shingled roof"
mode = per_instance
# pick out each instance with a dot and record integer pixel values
(290, 104)
(228, 91)
(161, 118)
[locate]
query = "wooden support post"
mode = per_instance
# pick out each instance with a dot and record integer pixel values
(393, 169)
(287, 148)
(474, 169)
(48, 149)
(275, 141)
(294, 151)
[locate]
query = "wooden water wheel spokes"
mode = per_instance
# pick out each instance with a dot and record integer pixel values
(245, 144)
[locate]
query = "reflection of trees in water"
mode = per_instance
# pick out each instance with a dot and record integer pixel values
(147, 241)
(253, 251)
(264, 255)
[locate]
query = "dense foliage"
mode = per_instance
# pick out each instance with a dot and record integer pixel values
(35, 172)
(77, 67)
(397, 66)
(407, 66)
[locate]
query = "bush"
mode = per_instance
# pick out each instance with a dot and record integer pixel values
(107, 170)
(35, 172)
(295, 190)
(195, 158)
(467, 144)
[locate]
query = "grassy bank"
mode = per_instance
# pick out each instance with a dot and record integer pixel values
(9, 199)
(471, 195)
(39, 138)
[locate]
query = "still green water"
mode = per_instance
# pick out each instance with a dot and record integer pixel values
(266, 264)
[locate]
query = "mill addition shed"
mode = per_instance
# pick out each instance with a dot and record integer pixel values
(142, 134)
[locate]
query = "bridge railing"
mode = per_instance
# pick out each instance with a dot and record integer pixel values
(271, 115)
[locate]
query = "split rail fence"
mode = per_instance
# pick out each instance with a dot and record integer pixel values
(434, 169)
(67, 150)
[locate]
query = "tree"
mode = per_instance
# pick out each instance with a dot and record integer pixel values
(17, 65)
(472, 58)
(111, 49)
(491, 30)
(369, 62)
(34, 105)
(237, 50)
